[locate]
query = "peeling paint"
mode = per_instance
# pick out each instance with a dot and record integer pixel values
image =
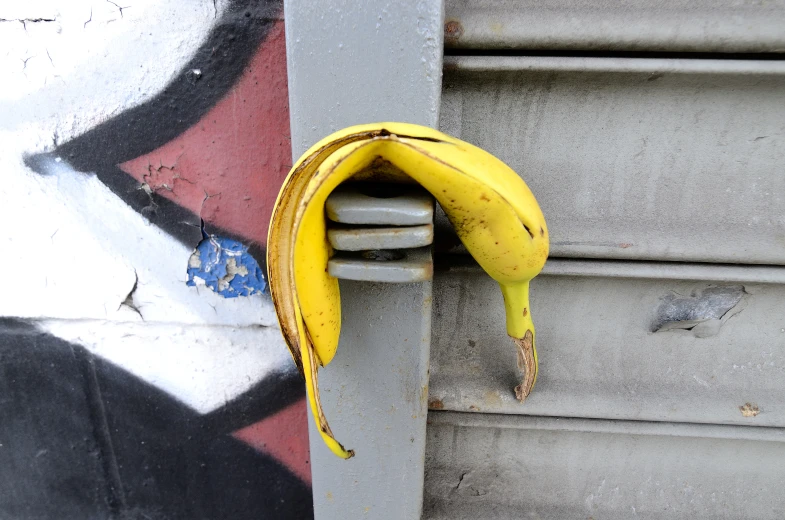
(703, 312)
(97, 328)
(225, 266)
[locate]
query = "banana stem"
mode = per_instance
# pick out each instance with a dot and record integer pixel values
(527, 364)
(521, 329)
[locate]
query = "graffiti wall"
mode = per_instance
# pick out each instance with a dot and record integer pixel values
(142, 373)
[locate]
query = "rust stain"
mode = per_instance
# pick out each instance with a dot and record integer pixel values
(435, 404)
(625, 245)
(453, 30)
(749, 410)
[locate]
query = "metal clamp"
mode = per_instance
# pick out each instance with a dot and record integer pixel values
(398, 250)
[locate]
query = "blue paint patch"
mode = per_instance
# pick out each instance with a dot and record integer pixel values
(225, 266)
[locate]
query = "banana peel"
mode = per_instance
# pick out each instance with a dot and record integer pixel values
(492, 209)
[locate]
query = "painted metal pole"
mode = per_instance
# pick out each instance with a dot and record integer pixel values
(352, 62)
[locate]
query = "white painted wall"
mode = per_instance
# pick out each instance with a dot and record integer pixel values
(70, 250)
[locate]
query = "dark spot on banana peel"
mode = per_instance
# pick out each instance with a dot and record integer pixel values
(542, 232)
(525, 312)
(484, 197)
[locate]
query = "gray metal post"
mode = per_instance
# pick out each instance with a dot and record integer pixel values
(353, 62)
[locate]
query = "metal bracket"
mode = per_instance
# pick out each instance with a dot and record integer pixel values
(397, 252)
(344, 71)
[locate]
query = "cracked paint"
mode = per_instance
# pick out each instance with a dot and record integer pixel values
(129, 299)
(222, 167)
(225, 266)
(101, 255)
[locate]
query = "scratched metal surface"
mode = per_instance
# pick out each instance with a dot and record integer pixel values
(513, 467)
(646, 159)
(618, 25)
(597, 352)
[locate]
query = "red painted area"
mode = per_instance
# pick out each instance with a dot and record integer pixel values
(228, 169)
(283, 436)
(229, 166)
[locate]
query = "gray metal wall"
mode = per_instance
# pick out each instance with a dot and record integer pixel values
(661, 313)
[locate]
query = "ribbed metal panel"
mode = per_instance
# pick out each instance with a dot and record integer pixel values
(598, 355)
(616, 25)
(661, 313)
(485, 466)
(645, 159)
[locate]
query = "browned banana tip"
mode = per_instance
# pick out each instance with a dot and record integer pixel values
(522, 393)
(527, 364)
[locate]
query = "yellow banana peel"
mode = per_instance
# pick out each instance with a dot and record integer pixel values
(493, 211)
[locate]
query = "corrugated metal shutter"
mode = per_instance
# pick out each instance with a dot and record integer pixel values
(661, 314)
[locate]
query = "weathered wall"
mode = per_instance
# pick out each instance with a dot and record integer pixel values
(139, 378)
